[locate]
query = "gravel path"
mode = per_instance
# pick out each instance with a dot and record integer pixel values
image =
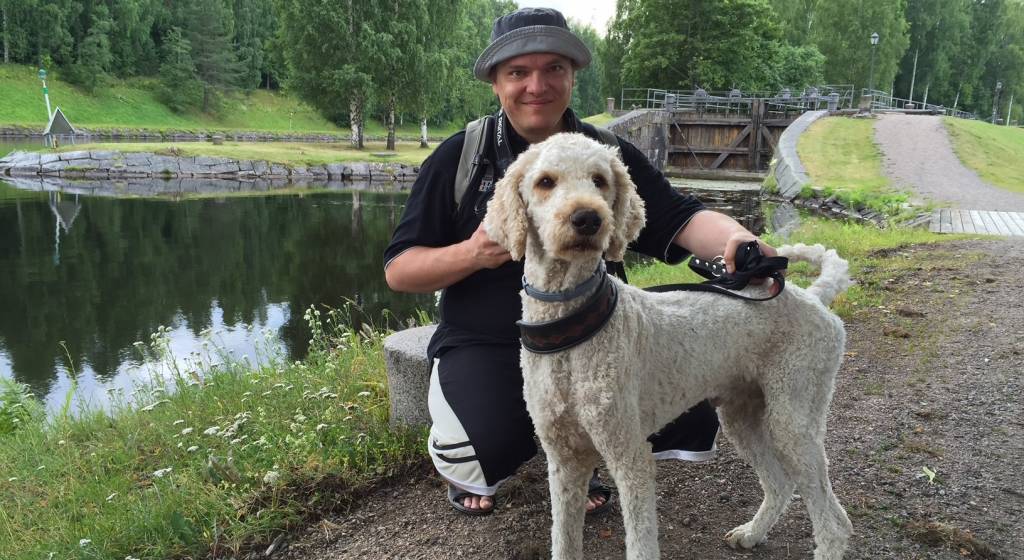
(919, 157)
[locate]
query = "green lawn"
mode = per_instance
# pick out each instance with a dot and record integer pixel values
(996, 153)
(600, 119)
(288, 153)
(841, 157)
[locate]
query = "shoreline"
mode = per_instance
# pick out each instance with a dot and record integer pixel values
(178, 135)
(108, 164)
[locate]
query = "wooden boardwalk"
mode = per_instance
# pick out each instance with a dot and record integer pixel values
(951, 220)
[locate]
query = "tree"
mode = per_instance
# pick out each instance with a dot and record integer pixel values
(209, 30)
(938, 30)
(588, 94)
(327, 57)
(714, 44)
(179, 87)
(254, 27)
(94, 57)
(842, 33)
(796, 19)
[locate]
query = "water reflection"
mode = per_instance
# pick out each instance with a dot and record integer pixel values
(83, 278)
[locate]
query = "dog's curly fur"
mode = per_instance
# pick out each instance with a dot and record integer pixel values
(769, 367)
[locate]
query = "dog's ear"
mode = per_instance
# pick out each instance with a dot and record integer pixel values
(628, 211)
(506, 222)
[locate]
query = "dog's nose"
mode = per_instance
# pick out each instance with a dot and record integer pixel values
(585, 221)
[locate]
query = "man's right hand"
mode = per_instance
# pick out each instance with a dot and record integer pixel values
(484, 251)
(426, 269)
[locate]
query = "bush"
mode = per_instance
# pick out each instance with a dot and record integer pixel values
(17, 406)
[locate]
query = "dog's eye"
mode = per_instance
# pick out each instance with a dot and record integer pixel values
(546, 182)
(599, 181)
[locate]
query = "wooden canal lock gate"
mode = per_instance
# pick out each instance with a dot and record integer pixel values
(720, 134)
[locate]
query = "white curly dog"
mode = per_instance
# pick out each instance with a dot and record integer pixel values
(769, 367)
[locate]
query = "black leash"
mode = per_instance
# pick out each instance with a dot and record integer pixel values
(750, 264)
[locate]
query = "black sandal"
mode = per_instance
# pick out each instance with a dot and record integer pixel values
(455, 497)
(595, 487)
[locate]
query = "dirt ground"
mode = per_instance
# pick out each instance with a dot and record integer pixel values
(932, 379)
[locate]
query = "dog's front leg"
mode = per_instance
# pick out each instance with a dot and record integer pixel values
(568, 477)
(632, 466)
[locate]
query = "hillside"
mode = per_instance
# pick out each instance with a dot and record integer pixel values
(132, 104)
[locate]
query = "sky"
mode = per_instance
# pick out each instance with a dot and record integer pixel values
(594, 13)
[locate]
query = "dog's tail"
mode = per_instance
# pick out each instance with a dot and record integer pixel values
(834, 278)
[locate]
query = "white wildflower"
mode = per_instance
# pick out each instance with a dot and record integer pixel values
(177, 422)
(111, 497)
(271, 477)
(211, 431)
(12, 479)
(162, 472)
(364, 394)
(321, 427)
(84, 543)
(187, 431)
(193, 449)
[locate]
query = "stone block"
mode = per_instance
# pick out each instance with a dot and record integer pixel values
(206, 160)
(71, 156)
(336, 171)
(360, 170)
(408, 371)
(260, 168)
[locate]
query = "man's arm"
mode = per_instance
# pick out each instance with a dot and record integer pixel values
(710, 234)
(427, 269)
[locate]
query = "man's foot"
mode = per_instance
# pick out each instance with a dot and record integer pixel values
(599, 496)
(468, 503)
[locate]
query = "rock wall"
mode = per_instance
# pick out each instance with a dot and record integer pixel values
(789, 171)
(118, 165)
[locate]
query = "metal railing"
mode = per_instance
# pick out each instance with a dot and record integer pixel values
(737, 102)
(885, 101)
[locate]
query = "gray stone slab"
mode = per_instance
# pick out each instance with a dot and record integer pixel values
(408, 371)
(205, 160)
(337, 170)
(260, 168)
(71, 156)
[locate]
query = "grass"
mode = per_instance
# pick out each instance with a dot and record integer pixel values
(132, 104)
(868, 250)
(841, 157)
(232, 456)
(600, 119)
(287, 153)
(996, 153)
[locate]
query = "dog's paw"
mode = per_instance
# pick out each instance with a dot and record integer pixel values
(742, 537)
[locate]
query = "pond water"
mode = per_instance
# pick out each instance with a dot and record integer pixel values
(83, 279)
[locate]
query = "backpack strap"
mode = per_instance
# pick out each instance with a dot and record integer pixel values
(472, 157)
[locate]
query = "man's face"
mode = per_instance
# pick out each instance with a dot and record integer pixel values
(534, 90)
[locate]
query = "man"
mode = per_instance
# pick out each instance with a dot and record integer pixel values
(481, 431)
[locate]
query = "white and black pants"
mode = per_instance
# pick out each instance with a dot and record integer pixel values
(481, 432)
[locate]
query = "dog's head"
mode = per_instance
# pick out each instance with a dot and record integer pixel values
(570, 192)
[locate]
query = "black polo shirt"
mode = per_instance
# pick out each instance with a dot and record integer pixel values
(484, 307)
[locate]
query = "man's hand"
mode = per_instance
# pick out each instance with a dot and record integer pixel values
(484, 251)
(739, 238)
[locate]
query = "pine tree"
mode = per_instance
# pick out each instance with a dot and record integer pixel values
(179, 87)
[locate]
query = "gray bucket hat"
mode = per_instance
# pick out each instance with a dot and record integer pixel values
(527, 31)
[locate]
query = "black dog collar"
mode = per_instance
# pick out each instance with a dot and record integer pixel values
(561, 334)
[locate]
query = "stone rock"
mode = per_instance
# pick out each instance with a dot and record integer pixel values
(405, 353)
(71, 156)
(278, 170)
(260, 168)
(206, 160)
(337, 170)
(360, 170)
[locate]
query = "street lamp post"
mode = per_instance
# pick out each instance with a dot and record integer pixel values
(995, 101)
(46, 94)
(871, 80)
